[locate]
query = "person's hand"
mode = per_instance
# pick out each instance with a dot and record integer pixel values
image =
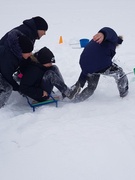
(99, 37)
(45, 94)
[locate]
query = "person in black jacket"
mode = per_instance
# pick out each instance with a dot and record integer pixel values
(96, 59)
(15, 48)
(40, 76)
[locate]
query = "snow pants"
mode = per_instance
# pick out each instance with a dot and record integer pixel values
(92, 79)
(5, 91)
(53, 78)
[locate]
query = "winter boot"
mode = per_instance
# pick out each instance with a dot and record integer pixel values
(75, 89)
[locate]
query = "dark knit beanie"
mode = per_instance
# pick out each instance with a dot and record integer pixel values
(41, 24)
(25, 44)
(45, 56)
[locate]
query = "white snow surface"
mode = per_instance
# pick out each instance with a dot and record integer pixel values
(91, 140)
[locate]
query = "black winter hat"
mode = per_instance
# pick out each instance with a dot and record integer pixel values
(41, 24)
(25, 44)
(45, 56)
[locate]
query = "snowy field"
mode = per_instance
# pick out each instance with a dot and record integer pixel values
(91, 140)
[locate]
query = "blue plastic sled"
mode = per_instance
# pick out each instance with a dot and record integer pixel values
(37, 104)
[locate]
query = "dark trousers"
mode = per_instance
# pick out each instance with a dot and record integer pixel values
(5, 91)
(92, 79)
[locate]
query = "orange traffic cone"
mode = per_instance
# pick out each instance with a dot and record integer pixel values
(60, 40)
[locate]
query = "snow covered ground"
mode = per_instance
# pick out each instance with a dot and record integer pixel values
(92, 140)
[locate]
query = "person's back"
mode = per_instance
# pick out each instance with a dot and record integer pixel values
(98, 56)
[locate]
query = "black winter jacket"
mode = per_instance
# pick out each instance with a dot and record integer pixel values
(31, 82)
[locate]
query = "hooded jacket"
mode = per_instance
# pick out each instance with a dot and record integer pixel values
(96, 57)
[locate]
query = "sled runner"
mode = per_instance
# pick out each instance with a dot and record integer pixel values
(34, 104)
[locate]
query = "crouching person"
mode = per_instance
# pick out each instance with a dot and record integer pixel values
(41, 76)
(13, 49)
(97, 59)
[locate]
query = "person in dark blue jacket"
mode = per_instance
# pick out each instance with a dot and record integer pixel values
(15, 48)
(96, 59)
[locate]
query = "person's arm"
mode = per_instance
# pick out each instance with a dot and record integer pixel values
(13, 43)
(110, 35)
(99, 37)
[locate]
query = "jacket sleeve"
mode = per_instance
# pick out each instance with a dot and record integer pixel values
(110, 35)
(13, 44)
